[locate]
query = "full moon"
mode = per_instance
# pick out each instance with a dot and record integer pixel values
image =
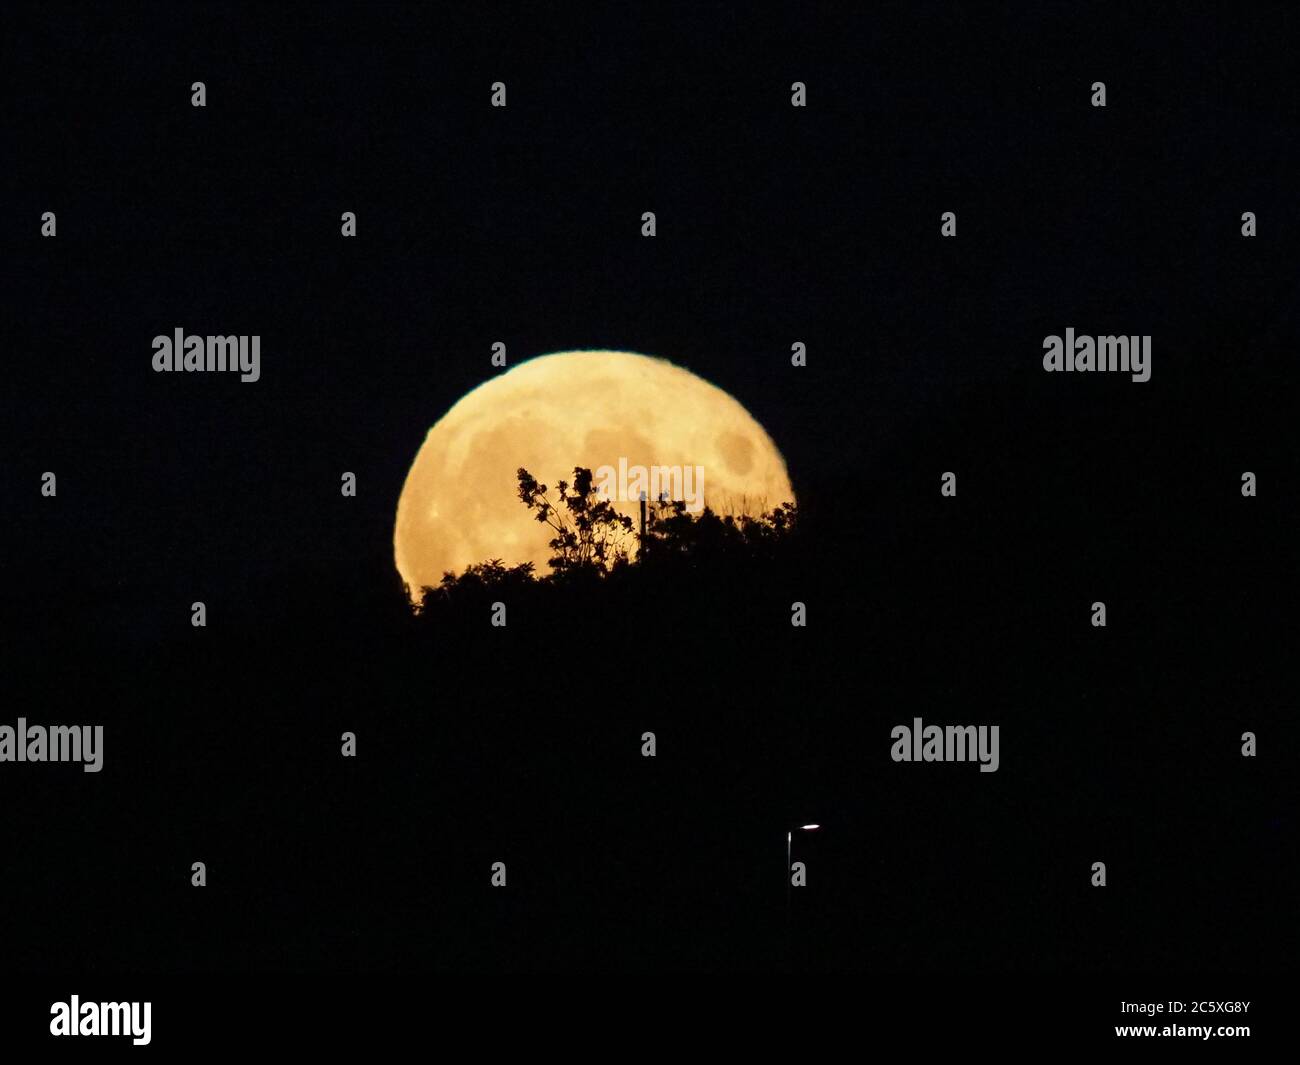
(459, 505)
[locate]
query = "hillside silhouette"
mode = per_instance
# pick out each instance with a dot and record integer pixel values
(597, 551)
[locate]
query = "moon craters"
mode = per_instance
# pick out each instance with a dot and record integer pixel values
(737, 452)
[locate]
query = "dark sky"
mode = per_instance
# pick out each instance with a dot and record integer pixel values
(522, 225)
(775, 225)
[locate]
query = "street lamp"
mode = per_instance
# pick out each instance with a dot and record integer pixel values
(789, 838)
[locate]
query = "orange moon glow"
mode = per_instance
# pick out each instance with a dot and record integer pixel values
(459, 505)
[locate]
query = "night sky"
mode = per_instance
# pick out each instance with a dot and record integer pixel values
(776, 224)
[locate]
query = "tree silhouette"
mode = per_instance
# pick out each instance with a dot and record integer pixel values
(591, 543)
(491, 576)
(589, 533)
(673, 534)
